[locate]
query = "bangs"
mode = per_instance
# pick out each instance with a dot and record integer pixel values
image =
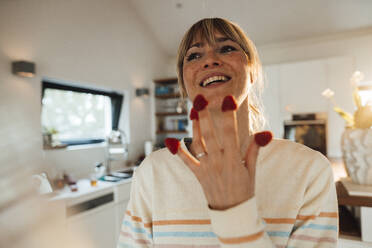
(206, 29)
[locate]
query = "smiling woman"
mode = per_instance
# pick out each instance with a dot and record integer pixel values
(231, 185)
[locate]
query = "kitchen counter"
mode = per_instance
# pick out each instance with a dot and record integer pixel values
(86, 191)
(95, 212)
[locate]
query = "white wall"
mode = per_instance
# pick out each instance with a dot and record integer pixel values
(296, 88)
(356, 45)
(93, 42)
(329, 59)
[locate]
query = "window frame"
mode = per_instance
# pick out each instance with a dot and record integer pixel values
(117, 100)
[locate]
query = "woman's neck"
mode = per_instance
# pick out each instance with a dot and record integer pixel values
(242, 116)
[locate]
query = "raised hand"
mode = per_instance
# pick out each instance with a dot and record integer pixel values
(226, 176)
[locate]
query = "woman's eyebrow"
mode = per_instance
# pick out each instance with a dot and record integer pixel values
(222, 39)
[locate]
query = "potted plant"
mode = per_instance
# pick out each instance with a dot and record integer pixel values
(356, 141)
(48, 134)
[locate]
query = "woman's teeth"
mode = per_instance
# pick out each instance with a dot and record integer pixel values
(214, 79)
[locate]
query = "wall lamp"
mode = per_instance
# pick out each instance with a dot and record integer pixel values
(142, 92)
(23, 68)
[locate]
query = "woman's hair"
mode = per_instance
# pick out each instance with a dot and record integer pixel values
(205, 29)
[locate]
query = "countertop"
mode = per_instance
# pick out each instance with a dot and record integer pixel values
(86, 191)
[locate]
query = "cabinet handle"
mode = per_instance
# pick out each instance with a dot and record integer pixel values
(90, 204)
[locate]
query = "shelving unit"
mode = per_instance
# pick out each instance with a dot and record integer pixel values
(351, 230)
(170, 111)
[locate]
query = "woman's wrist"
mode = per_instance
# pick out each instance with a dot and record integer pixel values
(227, 206)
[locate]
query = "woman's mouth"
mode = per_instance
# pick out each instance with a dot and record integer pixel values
(214, 80)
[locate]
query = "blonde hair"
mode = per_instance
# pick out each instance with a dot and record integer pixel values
(205, 29)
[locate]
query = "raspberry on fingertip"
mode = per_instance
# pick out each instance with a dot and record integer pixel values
(194, 114)
(200, 103)
(263, 138)
(229, 104)
(172, 144)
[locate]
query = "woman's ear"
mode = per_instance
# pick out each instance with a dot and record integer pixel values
(252, 79)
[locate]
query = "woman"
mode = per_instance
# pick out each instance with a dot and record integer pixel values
(229, 187)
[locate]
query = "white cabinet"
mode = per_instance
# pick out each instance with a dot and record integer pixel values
(94, 219)
(95, 227)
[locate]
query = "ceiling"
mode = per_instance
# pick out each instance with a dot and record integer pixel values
(265, 21)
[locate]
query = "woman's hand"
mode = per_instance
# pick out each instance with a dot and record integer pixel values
(227, 179)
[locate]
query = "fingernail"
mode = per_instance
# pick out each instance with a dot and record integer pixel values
(194, 114)
(228, 104)
(172, 144)
(200, 103)
(263, 138)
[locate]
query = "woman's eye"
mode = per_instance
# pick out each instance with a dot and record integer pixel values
(193, 56)
(226, 49)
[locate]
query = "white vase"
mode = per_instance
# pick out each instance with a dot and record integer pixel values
(356, 147)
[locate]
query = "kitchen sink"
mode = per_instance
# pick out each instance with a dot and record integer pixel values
(118, 175)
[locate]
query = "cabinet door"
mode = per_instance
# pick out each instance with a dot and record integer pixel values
(94, 228)
(301, 85)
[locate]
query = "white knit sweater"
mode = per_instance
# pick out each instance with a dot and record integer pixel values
(295, 204)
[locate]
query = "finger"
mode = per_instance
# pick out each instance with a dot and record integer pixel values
(206, 126)
(174, 147)
(260, 139)
(251, 157)
(197, 139)
(231, 144)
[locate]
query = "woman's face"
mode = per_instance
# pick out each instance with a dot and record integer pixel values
(216, 71)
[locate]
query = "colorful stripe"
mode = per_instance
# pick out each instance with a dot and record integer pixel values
(313, 239)
(186, 246)
(138, 241)
(322, 214)
(300, 217)
(319, 227)
(280, 220)
(138, 219)
(208, 222)
(329, 214)
(244, 239)
(185, 234)
(181, 222)
(136, 229)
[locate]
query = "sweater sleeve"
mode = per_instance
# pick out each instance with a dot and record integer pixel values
(240, 226)
(136, 229)
(316, 224)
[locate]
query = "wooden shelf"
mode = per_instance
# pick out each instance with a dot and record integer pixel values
(170, 113)
(166, 81)
(170, 131)
(168, 96)
(345, 199)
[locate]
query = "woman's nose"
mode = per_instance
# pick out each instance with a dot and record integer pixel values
(211, 60)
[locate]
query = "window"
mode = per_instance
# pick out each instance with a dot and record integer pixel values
(77, 115)
(365, 92)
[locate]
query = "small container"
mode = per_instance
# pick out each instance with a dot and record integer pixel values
(73, 187)
(93, 180)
